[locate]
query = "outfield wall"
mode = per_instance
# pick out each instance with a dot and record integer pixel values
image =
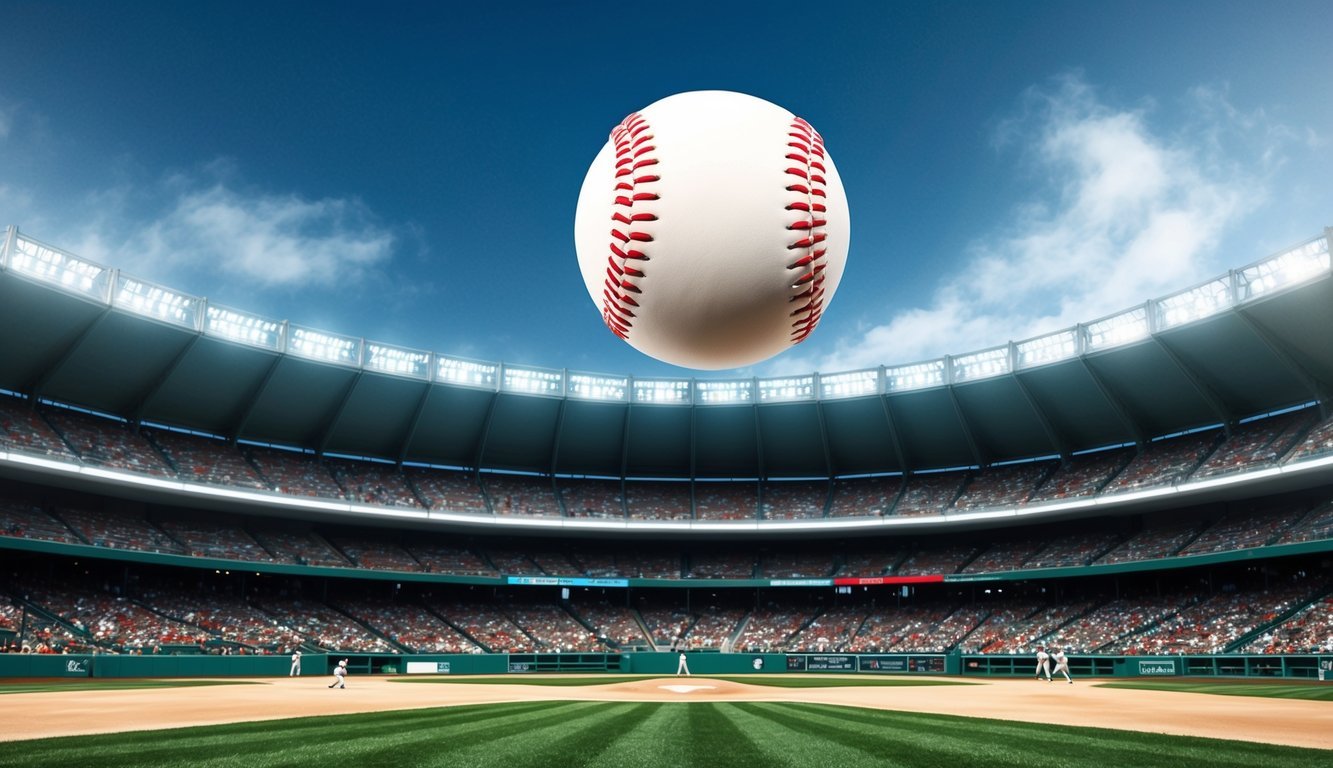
(82, 665)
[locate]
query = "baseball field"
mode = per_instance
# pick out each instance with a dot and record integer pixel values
(622, 722)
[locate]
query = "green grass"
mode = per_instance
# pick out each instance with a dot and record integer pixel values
(646, 735)
(1313, 691)
(776, 682)
(107, 684)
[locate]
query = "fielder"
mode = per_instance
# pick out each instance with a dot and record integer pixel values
(1043, 664)
(340, 675)
(296, 665)
(1062, 664)
(683, 668)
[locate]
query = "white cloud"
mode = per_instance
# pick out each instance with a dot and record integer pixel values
(271, 240)
(1131, 214)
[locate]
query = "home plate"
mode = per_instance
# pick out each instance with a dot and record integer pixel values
(687, 688)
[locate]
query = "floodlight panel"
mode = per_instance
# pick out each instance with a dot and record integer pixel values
(240, 326)
(1051, 348)
(533, 381)
(1117, 330)
(787, 389)
(1193, 304)
(397, 360)
(55, 266)
(1293, 267)
(322, 345)
(149, 300)
(676, 391)
(981, 365)
(724, 392)
(471, 373)
(833, 386)
(587, 386)
(902, 378)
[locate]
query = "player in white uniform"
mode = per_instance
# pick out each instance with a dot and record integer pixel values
(296, 665)
(1062, 664)
(682, 668)
(340, 675)
(1043, 664)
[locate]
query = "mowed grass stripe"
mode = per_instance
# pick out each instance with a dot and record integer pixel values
(105, 684)
(776, 682)
(1308, 691)
(656, 735)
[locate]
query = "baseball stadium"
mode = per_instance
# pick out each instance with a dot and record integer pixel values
(515, 565)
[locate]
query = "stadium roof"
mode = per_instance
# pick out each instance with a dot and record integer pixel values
(1252, 341)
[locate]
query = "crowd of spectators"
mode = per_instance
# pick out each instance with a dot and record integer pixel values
(413, 627)
(1005, 486)
(1004, 556)
(768, 629)
(225, 616)
(788, 564)
(27, 521)
(1317, 442)
(714, 629)
(646, 500)
(869, 564)
(1118, 618)
(929, 493)
(721, 565)
(1017, 630)
(442, 558)
(932, 560)
(831, 630)
(446, 490)
(1083, 475)
(1257, 443)
(865, 496)
(109, 443)
(367, 482)
(521, 495)
(1073, 549)
(554, 628)
(616, 623)
(1310, 630)
(894, 629)
(555, 564)
(592, 498)
(200, 459)
(324, 626)
(1316, 525)
(101, 441)
(23, 429)
(1213, 623)
(726, 500)
(117, 530)
(794, 500)
(376, 554)
(487, 626)
(1165, 462)
(295, 473)
(1244, 529)
(1158, 540)
(300, 547)
(220, 540)
(112, 620)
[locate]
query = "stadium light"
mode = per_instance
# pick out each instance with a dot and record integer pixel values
(1193, 304)
(1051, 348)
(243, 327)
(787, 389)
(1117, 330)
(50, 265)
(397, 360)
(533, 381)
(981, 365)
(667, 391)
(587, 386)
(156, 302)
(1284, 270)
(724, 392)
(321, 345)
(470, 373)
(833, 386)
(903, 378)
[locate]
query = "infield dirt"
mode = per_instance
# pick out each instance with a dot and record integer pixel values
(1273, 721)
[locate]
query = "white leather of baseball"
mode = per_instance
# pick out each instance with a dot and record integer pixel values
(712, 230)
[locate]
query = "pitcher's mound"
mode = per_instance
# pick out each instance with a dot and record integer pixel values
(683, 687)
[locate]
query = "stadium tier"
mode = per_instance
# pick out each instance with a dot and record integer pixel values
(182, 478)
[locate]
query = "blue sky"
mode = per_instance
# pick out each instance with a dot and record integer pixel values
(409, 172)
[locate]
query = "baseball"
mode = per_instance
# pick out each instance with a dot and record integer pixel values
(712, 230)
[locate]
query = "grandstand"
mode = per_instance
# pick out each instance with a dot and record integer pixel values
(180, 477)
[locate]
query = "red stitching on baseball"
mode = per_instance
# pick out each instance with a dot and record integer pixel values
(633, 151)
(808, 148)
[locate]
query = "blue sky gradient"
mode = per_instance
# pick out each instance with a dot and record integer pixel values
(409, 172)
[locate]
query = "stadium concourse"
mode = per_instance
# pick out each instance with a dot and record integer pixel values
(182, 478)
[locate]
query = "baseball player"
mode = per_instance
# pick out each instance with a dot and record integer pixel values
(340, 675)
(296, 665)
(683, 668)
(1061, 664)
(1043, 664)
